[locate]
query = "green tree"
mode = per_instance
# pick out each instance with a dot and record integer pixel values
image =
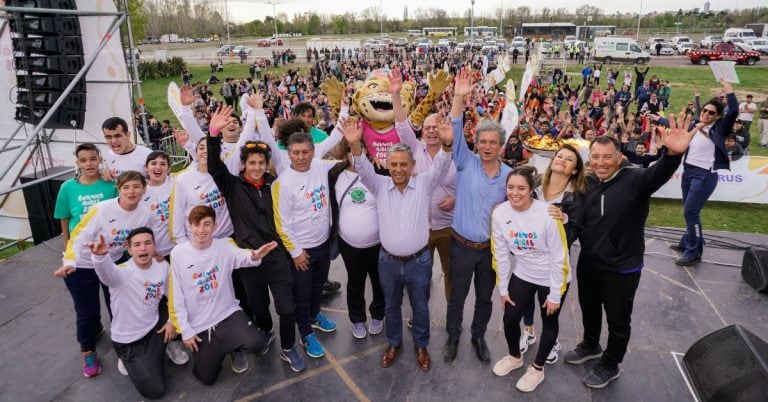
(313, 24)
(139, 18)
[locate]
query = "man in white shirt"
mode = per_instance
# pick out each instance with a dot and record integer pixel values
(201, 298)
(123, 155)
(747, 112)
(404, 260)
(140, 327)
(302, 219)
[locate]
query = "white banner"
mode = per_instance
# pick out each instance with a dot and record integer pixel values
(747, 181)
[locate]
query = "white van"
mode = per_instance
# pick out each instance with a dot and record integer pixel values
(620, 49)
(731, 33)
(414, 32)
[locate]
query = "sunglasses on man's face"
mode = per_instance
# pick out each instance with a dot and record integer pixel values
(709, 111)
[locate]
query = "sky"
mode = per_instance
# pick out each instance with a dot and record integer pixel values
(247, 10)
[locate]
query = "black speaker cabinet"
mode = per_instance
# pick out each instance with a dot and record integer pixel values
(40, 199)
(754, 269)
(729, 364)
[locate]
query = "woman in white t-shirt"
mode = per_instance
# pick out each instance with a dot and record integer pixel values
(523, 226)
(157, 199)
(355, 219)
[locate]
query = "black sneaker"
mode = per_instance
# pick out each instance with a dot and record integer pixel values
(330, 287)
(450, 349)
(687, 262)
(582, 354)
(676, 247)
(600, 376)
(481, 350)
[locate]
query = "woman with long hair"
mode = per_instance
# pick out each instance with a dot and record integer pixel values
(562, 187)
(524, 226)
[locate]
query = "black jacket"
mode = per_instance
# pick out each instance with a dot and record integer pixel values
(611, 227)
(249, 208)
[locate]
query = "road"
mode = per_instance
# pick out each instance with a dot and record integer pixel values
(204, 53)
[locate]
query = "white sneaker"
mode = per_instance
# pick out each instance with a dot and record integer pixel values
(526, 338)
(554, 353)
(176, 353)
(507, 364)
(121, 367)
(530, 380)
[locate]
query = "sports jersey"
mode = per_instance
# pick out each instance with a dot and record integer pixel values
(157, 200)
(134, 294)
(190, 189)
(75, 199)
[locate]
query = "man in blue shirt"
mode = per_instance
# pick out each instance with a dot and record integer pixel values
(480, 185)
(586, 73)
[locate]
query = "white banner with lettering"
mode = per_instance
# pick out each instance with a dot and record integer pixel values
(747, 181)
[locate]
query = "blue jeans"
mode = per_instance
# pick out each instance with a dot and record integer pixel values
(698, 185)
(308, 287)
(83, 285)
(415, 276)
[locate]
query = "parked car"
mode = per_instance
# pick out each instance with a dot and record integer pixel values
(710, 41)
(684, 47)
(518, 42)
(275, 41)
(263, 43)
(224, 50)
(461, 47)
(422, 48)
(678, 40)
(502, 44)
(240, 49)
(401, 42)
(651, 42)
(666, 49)
(758, 45)
(489, 46)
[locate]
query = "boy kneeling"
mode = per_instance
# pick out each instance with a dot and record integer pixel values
(202, 300)
(140, 327)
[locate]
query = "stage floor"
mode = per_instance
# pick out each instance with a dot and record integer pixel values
(674, 308)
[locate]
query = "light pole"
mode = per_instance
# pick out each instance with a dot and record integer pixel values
(274, 14)
(639, 15)
(472, 22)
(381, 19)
(501, 19)
(226, 17)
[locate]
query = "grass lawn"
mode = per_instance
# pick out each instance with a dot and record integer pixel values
(736, 217)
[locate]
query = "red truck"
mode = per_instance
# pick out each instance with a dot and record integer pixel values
(724, 51)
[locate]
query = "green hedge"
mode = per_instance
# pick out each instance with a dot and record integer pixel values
(161, 69)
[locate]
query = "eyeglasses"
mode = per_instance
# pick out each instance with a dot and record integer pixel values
(709, 111)
(253, 145)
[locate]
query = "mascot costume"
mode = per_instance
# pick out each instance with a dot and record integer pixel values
(373, 104)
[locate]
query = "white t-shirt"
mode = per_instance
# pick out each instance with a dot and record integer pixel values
(750, 108)
(134, 293)
(201, 293)
(190, 189)
(134, 160)
(701, 151)
(358, 219)
(157, 200)
(110, 220)
(301, 207)
(539, 244)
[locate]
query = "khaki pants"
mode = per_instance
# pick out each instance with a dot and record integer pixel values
(762, 129)
(441, 240)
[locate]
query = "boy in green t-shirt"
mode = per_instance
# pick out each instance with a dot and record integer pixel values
(79, 194)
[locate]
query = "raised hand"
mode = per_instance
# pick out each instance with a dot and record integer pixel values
(220, 118)
(464, 85)
(395, 81)
(256, 101)
(181, 136)
(99, 247)
(727, 87)
(186, 96)
(677, 137)
(262, 251)
(351, 129)
(445, 131)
